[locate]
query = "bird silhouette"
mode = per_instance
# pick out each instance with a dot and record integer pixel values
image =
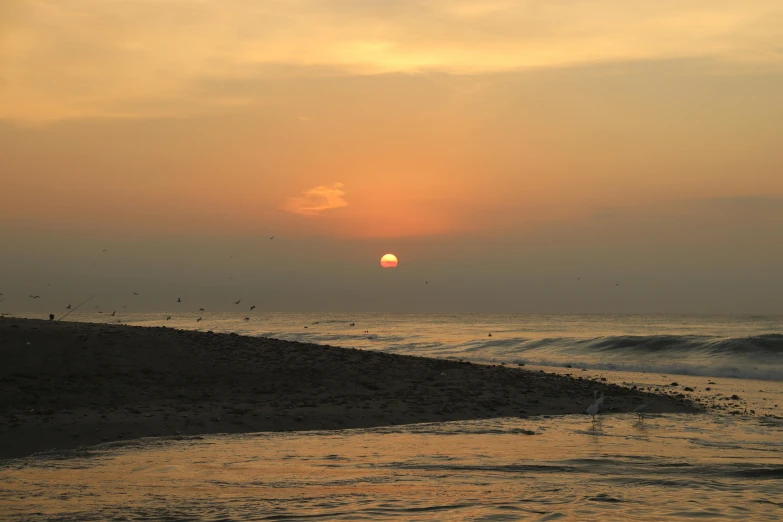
(272, 237)
(641, 409)
(168, 318)
(114, 312)
(200, 309)
(68, 307)
(247, 318)
(134, 293)
(237, 302)
(490, 335)
(252, 308)
(179, 300)
(198, 320)
(592, 410)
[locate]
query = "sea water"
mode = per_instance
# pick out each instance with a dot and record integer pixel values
(720, 346)
(724, 464)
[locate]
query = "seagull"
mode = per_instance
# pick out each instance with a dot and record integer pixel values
(200, 309)
(68, 307)
(104, 250)
(639, 410)
(114, 312)
(247, 318)
(272, 237)
(252, 308)
(134, 293)
(592, 410)
(179, 299)
(237, 302)
(169, 317)
(198, 320)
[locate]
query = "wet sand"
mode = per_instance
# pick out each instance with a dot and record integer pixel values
(64, 385)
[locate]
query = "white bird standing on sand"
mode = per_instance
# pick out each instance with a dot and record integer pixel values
(639, 410)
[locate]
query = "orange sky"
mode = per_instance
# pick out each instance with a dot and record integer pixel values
(396, 123)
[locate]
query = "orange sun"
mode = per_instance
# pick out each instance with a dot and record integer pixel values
(389, 261)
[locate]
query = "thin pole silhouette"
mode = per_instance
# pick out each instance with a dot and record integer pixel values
(77, 307)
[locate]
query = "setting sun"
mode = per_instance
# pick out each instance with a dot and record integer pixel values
(389, 261)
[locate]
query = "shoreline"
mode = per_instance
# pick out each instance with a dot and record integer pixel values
(64, 385)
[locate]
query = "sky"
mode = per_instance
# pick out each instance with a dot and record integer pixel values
(555, 156)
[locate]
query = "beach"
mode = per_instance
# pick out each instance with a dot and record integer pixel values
(66, 385)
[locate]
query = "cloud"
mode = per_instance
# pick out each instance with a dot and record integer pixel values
(316, 200)
(103, 58)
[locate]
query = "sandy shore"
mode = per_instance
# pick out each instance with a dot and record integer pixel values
(65, 385)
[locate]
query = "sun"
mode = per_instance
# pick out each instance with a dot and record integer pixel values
(389, 261)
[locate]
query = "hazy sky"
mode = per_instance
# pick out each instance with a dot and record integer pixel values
(501, 149)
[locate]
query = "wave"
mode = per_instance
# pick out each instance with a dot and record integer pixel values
(753, 357)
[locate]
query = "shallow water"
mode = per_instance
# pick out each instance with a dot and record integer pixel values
(673, 466)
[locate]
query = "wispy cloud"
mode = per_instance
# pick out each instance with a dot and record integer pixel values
(103, 58)
(316, 200)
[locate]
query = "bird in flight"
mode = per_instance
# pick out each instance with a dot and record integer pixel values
(198, 320)
(114, 312)
(35, 296)
(237, 302)
(272, 237)
(247, 318)
(179, 300)
(200, 309)
(68, 307)
(252, 308)
(134, 293)
(168, 318)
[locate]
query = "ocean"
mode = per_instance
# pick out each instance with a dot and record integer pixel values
(726, 463)
(719, 346)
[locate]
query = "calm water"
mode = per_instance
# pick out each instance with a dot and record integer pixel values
(723, 464)
(675, 466)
